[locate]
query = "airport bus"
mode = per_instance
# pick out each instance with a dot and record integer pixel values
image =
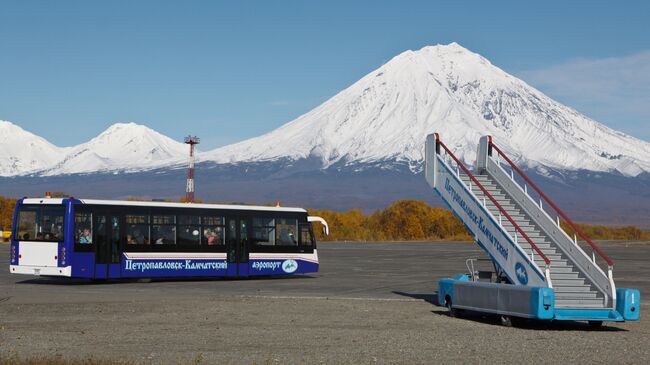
(106, 239)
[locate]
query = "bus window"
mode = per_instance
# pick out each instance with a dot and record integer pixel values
(189, 230)
(40, 223)
(83, 228)
(163, 230)
(137, 229)
(286, 232)
(27, 228)
(306, 237)
(264, 231)
(213, 230)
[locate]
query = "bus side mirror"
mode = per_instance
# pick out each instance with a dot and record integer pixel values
(326, 228)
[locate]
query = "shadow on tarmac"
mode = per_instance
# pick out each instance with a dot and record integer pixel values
(431, 298)
(520, 323)
(74, 282)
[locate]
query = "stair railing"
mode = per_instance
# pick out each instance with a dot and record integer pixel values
(576, 231)
(547, 261)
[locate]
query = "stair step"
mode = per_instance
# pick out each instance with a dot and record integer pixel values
(570, 275)
(567, 282)
(571, 289)
(555, 262)
(577, 295)
(579, 303)
(508, 207)
(554, 265)
(546, 248)
(562, 270)
(524, 227)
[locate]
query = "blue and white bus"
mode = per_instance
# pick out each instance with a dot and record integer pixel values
(105, 239)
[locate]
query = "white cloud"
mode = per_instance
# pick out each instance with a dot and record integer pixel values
(614, 91)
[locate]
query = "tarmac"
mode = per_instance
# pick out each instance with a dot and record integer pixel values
(369, 303)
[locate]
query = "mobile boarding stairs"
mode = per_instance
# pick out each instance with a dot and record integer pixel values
(541, 272)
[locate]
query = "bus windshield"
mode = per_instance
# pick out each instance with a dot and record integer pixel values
(40, 223)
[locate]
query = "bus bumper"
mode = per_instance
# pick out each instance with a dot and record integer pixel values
(41, 270)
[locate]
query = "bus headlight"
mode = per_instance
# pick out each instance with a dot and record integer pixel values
(63, 255)
(13, 254)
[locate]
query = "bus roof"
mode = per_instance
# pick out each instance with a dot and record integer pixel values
(165, 204)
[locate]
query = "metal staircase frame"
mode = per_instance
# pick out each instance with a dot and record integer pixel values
(587, 266)
(500, 227)
(489, 233)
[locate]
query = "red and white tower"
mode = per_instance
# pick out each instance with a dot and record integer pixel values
(189, 191)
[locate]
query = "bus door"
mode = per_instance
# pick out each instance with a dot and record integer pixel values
(107, 243)
(237, 246)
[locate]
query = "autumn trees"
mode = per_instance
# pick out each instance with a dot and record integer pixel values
(404, 220)
(7, 206)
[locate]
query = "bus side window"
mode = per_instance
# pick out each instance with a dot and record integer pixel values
(83, 228)
(306, 236)
(213, 230)
(137, 229)
(285, 230)
(163, 229)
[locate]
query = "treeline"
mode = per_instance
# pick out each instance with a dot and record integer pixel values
(595, 232)
(7, 206)
(415, 220)
(404, 220)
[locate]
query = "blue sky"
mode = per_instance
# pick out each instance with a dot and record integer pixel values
(227, 71)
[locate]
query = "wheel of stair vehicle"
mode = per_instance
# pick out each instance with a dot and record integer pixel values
(506, 321)
(595, 324)
(450, 309)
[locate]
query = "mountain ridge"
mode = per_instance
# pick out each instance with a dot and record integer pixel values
(460, 94)
(379, 121)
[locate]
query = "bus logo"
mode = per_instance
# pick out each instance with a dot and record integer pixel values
(520, 272)
(289, 266)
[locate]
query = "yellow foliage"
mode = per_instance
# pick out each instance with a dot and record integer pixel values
(7, 206)
(415, 220)
(595, 232)
(403, 220)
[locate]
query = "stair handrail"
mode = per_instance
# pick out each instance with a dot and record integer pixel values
(439, 143)
(491, 145)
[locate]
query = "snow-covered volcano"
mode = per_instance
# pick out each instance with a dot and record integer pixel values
(382, 119)
(23, 152)
(123, 146)
(386, 115)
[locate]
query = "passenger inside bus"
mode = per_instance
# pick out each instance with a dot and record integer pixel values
(286, 237)
(212, 237)
(86, 236)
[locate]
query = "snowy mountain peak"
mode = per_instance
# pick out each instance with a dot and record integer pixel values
(123, 146)
(23, 152)
(382, 119)
(385, 116)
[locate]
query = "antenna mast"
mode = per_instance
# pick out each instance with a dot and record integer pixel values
(189, 191)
